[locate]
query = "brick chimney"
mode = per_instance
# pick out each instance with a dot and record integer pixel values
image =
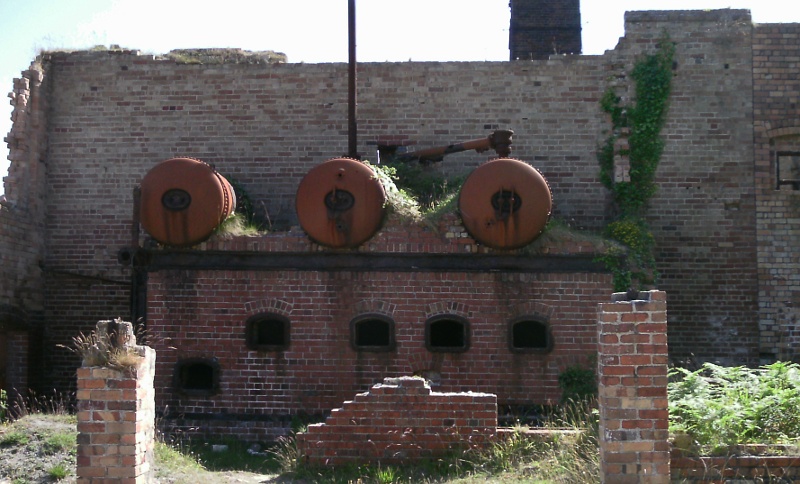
(541, 28)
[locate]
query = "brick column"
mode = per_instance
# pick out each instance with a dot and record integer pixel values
(116, 413)
(632, 372)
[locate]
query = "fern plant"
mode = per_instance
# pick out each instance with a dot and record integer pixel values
(721, 406)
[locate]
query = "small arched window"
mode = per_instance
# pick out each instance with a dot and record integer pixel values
(267, 332)
(530, 334)
(372, 332)
(447, 333)
(197, 376)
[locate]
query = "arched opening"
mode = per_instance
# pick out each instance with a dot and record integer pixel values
(447, 333)
(530, 334)
(372, 332)
(197, 376)
(267, 332)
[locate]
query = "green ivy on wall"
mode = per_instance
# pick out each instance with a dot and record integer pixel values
(643, 121)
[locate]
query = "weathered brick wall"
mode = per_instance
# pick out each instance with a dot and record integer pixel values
(117, 114)
(22, 208)
(399, 421)
(703, 215)
(22, 230)
(541, 28)
(203, 315)
(776, 91)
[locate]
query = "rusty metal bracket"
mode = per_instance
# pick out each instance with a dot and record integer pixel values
(499, 140)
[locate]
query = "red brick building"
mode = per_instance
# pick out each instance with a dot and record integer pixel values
(89, 125)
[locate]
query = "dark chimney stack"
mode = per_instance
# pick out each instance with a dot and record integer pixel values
(541, 28)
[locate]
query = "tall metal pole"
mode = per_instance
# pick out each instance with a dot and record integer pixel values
(352, 137)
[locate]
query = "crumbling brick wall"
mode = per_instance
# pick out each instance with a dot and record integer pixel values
(399, 421)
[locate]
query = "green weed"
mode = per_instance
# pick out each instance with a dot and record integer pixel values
(58, 471)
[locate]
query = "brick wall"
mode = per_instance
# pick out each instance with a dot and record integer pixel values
(203, 315)
(22, 227)
(777, 129)
(399, 421)
(117, 114)
(632, 390)
(703, 214)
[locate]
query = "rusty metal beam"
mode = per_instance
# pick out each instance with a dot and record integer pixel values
(159, 260)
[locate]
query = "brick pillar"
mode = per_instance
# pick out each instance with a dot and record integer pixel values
(116, 411)
(632, 372)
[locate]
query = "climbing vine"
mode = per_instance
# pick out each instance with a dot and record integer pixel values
(642, 122)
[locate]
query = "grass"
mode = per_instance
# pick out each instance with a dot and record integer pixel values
(40, 447)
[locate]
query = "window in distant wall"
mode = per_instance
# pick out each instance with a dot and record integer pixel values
(197, 376)
(267, 332)
(788, 169)
(530, 334)
(447, 333)
(372, 332)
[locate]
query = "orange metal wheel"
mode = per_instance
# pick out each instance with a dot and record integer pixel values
(183, 200)
(340, 203)
(505, 203)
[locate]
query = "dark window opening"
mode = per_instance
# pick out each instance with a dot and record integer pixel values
(530, 335)
(267, 332)
(372, 333)
(788, 169)
(197, 376)
(447, 333)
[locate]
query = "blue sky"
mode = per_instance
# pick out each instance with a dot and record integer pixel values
(308, 31)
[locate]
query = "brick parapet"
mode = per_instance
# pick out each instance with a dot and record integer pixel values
(632, 390)
(400, 420)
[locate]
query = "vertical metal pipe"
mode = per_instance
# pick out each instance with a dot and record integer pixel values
(352, 133)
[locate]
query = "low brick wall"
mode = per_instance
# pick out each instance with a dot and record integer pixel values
(399, 421)
(747, 468)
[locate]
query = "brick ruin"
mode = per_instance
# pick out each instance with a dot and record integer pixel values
(89, 125)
